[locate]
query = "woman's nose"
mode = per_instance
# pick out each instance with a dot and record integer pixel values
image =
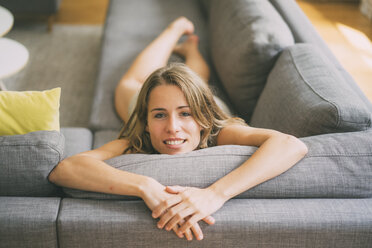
(173, 124)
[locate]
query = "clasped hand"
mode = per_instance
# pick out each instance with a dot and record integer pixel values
(190, 204)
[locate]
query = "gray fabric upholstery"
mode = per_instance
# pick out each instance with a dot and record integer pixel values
(206, 4)
(304, 32)
(26, 161)
(246, 37)
(305, 95)
(76, 140)
(332, 168)
(240, 223)
(302, 29)
(103, 137)
(28, 222)
(130, 27)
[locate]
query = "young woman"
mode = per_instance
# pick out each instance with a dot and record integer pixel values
(170, 110)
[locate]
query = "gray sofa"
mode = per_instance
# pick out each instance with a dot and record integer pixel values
(272, 68)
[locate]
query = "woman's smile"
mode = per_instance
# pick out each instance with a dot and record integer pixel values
(173, 142)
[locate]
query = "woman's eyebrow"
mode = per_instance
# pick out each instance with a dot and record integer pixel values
(163, 109)
(181, 107)
(157, 109)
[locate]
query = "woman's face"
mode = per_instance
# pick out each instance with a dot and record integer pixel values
(170, 123)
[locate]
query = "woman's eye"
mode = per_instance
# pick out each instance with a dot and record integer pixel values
(185, 114)
(159, 115)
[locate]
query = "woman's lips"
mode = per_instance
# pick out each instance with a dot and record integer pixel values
(174, 142)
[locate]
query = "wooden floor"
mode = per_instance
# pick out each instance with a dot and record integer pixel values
(346, 31)
(82, 12)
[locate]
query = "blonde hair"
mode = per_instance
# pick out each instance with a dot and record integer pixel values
(204, 109)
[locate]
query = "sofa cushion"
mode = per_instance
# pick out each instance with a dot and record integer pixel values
(26, 161)
(246, 37)
(239, 223)
(29, 221)
(306, 95)
(337, 165)
(103, 137)
(77, 139)
(29, 111)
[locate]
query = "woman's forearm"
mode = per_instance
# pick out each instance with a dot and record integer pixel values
(275, 156)
(86, 173)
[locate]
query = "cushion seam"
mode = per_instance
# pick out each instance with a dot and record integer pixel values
(170, 158)
(58, 238)
(341, 155)
(366, 124)
(40, 145)
(307, 156)
(312, 89)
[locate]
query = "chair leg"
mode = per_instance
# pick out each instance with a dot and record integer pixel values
(50, 23)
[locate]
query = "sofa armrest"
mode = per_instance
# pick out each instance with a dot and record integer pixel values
(26, 161)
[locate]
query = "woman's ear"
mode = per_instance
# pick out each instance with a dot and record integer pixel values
(147, 128)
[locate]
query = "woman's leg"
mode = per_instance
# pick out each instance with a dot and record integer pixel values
(193, 58)
(154, 56)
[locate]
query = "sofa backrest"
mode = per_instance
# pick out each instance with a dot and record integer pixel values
(246, 38)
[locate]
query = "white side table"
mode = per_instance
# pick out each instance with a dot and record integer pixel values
(6, 21)
(13, 55)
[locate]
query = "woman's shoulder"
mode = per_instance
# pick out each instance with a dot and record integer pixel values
(232, 132)
(116, 146)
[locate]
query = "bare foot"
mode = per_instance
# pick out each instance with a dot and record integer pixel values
(187, 47)
(184, 25)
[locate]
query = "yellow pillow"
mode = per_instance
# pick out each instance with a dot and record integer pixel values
(29, 111)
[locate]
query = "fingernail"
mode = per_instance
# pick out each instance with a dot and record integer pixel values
(159, 226)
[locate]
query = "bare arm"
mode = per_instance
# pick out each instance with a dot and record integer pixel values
(277, 153)
(88, 171)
